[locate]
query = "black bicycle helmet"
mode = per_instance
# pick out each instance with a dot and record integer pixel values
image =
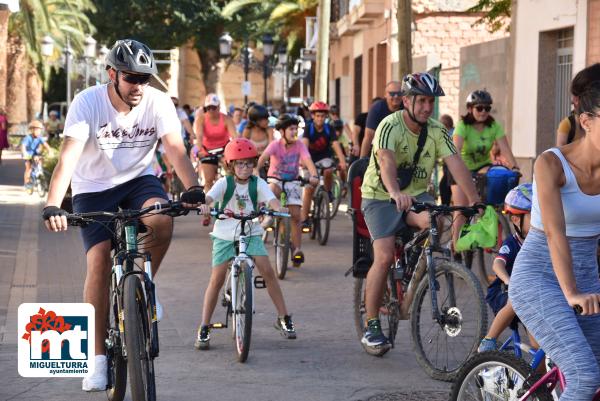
(131, 56)
(421, 84)
(338, 124)
(286, 120)
(480, 96)
(257, 112)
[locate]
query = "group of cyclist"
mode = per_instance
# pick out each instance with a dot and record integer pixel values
(111, 132)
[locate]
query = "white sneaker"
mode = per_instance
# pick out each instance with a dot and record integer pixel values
(98, 380)
(159, 308)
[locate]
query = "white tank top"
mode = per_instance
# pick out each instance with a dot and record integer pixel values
(582, 211)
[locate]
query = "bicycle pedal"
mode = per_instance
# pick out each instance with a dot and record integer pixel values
(218, 326)
(259, 282)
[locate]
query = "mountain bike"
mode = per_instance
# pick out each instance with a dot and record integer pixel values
(132, 329)
(38, 177)
(238, 292)
(443, 300)
(282, 231)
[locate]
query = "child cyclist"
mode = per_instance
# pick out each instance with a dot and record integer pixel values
(285, 156)
(517, 205)
(240, 158)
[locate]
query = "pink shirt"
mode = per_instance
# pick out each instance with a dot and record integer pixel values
(285, 163)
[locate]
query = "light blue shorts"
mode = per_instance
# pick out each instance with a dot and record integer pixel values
(224, 250)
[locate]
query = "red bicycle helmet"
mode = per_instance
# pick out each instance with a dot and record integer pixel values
(319, 106)
(238, 149)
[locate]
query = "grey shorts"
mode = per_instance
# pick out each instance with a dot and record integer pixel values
(382, 217)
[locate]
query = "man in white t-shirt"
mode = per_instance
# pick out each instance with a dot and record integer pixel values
(110, 136)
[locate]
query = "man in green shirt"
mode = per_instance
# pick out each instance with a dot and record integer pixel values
(394, 147)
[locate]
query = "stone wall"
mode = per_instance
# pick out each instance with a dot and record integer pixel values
(593, 40)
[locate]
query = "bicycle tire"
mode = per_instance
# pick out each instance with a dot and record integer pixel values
(472, 375)
(117, 365)
(388, 309)
(471, 300)
(140, 365)
(40, 186)
(324, 218)
(314, 218)
(282, 246)
(242, 311)
(336, 190)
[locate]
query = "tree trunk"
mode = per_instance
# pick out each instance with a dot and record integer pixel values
(404, 17)
(34, 94)
(16, 90)
(4, 14)
(211, 71)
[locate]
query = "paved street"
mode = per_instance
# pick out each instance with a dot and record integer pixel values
(326, 362)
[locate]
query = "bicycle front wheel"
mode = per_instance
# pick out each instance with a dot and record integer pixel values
(242, 311)
(282, 246)
(495, 375)
(336, 190)
(140, 363)
(442, 347)
(324, 217)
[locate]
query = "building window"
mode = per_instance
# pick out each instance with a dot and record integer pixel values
(564, 71)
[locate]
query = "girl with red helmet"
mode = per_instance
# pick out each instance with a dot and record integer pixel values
(240, 158)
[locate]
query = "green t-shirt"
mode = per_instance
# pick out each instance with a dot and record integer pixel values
(477, 145)
(393, 134)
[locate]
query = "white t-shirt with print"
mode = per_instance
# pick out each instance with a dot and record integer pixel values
(229, 229)
(118, 148)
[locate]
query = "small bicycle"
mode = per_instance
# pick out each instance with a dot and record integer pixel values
(282, 232)
(238, 292)
(132, 329)
(320, 212)
(38, 177)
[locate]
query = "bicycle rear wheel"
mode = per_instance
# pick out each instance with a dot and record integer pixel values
(324, 217)
(282, 246)
(495, 375)
(117, 365)
(242, 311)
(443, 347)
(389, 312)
(140, 364)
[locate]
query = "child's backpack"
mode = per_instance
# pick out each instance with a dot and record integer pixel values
(252, 189)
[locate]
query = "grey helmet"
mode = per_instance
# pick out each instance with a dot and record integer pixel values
(421, 83)
(131, 56)
(480, 96)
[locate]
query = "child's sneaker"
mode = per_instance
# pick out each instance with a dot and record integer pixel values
(203, 338)
(487, 344)
(286, 326)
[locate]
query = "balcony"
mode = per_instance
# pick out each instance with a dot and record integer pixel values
(366, 12)
(345, 27)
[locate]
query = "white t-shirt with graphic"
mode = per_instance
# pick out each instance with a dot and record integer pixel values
(229, 229)
(118, 148)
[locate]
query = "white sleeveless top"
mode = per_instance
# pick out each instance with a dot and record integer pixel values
(582, 212)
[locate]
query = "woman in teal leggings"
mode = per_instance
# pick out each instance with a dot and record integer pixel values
(556, 268)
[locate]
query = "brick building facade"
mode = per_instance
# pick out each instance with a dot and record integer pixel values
(364, 49)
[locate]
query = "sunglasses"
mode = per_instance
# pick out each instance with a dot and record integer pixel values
(136, 79)
(481, 109)
(244, 164)
(395, 93)
(211, 108)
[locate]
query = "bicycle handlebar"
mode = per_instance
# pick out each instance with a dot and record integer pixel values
(172, 209)
(246, 217)
(301, 180)
(419, 207)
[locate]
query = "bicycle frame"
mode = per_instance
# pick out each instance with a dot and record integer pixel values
(237, 261)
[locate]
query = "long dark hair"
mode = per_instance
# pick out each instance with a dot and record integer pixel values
(469, 119)
(589, 100)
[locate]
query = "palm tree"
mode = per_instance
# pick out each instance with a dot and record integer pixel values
(26, 66)
(286, 18)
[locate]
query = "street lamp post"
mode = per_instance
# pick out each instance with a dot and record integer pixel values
(68, 52)
(267, 53)
(89, 54)
(246, 52)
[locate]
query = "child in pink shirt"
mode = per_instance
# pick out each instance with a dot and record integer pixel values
(285, 157)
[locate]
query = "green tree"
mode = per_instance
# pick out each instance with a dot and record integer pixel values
(496, 12)
(168, 24)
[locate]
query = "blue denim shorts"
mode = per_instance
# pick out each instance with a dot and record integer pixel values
(129, 195)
